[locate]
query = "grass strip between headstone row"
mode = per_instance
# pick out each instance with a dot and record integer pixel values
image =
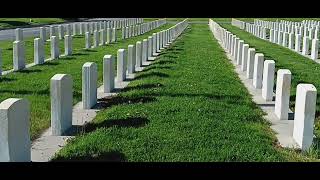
(303, 69)
(78, 43)
(189, 105)
(23, 22)
(34, 83)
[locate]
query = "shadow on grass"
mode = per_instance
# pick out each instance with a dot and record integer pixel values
(117, 100)
(6, 79)
(142, 86)
(90, 50)
(28, 71)
(134, 122)
(111, 156)
(170, 56)
(80, 54)
(77, 36)
(67, 58)
(161, 62)
(15, 23)
(156, 67)
(49, 63)
(76, 95)
(229, 99)
(152, 74)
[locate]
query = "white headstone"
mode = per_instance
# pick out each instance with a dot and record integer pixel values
(38, 51)
(61, 31)
(154, 44)
(268, 80)
(131, 59)
(89, 84)
(305, 46)
(283, 93)
(291, 40)
(108, 73)
(149, 47)
(19, 34)
(138, 54)
(67, 45)
(102, 37)
(87, 39)
(109, 35)
(61, 103)
(15, 144)
(314, 49)
(298, 43)
(54, 47)
(114, 35)
(239, 53)
(304, 115)
(244, 57)
(43, 33)
(258, 70)
(121, 65)
(18, 55)
(96, 39)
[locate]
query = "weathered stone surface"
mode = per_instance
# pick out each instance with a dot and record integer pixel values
(108, 73)
(61, 103)
(89, 84)
(304, 115)
(38, 51)
(15, 144)
(19, 59)
(283, 93)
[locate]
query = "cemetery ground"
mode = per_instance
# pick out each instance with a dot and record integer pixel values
(302, 68)
(33, 83)
(189, 105)
(21, 22)
(7, 46)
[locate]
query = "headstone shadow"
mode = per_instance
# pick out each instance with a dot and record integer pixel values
(28, 71)
(111, 156)
(152, 74)
(6, 79)
(109, 101)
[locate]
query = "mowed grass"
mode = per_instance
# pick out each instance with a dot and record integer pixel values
(187, 106)
(34, 83)
(251, 20)
(303, 69)
(7, 48)
(179, 19)
(23, 22)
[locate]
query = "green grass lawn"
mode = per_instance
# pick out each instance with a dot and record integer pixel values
(303, 69)
(268, 19)
(189, 105)
(22, 22)
(78, 43)
(34, 83)
(178, 19)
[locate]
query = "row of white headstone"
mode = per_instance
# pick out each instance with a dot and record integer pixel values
(262, 72)
(106, 37)
(15, 141)
(238, 23)
(79, 28)
(130, 31)
(311, 31)
(293, 41)
(289, 26)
